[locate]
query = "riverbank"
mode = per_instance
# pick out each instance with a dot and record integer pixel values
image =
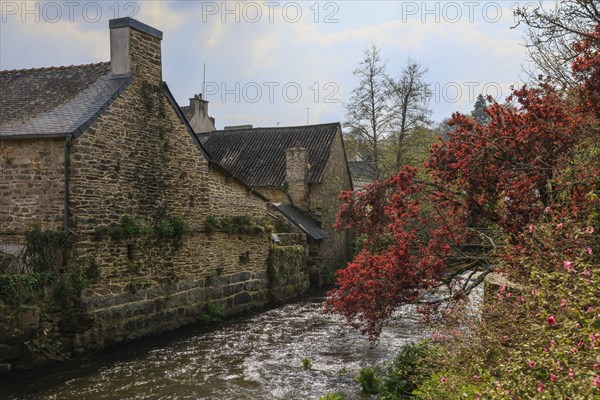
(254, 357)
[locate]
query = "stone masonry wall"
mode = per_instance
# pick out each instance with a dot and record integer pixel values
(31, 184)
(275, 195)
(149, 285)
(334, 252)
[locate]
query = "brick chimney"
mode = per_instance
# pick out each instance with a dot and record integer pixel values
(296, 168)
(135, 49)
(197, 115)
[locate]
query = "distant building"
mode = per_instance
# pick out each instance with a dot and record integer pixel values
(301, 169)
(362, 172)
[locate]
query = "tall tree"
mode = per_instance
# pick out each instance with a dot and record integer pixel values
(479, 110)
(410, 96)
(368, 115)
(551, 31)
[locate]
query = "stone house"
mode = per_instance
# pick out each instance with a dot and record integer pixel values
(301, 169)
(104, 152)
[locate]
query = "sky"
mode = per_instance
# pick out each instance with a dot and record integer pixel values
(284, 63)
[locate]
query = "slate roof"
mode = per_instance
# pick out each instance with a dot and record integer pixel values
(302, 221)
(55, 101)
(362, 171)
(257, 155)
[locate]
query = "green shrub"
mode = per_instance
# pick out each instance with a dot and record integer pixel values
(240, 224)
(306, 363)
(411, 367)
(213, 313)
(212, 224)
(24, 288)
(369, 382)
(44, 249)
(164, 228)
(333, 396)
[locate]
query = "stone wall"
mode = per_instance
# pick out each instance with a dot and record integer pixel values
(288, 270)
(275, 195)
(148, 285)
(31, 185)
(334, 252)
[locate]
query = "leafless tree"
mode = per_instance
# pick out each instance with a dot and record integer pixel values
(368, 113)
(551, 31)
(410, 96)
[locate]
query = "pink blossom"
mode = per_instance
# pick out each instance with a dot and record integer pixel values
(574, 350)
(589, 229)
(563, 303)
(596, 381)
(540, 386)
(551, 320)
(552, 343)
(531, 364)
(553, 377)
(559, 225)
(589, 250)
(568, 265)
(580, 343)
(547, 209)
(571, 373)
(585, 272)
(443, 379)
(502, 288)
(530, 228)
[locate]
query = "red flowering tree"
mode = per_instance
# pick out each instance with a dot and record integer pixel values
(537, 151)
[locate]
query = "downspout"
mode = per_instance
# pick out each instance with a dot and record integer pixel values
(67, 169)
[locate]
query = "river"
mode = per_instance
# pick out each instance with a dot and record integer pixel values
(255, 357)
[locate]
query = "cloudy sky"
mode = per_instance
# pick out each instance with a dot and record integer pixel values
(279, 62)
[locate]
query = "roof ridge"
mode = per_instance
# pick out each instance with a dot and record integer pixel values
(53, 68)
(274, 127)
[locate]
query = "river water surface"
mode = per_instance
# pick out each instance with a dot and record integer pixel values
(257, 357)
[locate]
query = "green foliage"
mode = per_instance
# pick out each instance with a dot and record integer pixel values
(212, 277)
(212, 224)
(411, 367)
(138, 284)
(239, 224)
(129, 226)
(213, 313)
(333, 396)
(306, 363)
(369, 382)
(165, 227)
(282, 227)
(19, 289)
(44, 249)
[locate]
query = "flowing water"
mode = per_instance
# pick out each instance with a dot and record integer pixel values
(257, 357)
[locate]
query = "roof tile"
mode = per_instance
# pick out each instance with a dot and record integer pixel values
(257, 155)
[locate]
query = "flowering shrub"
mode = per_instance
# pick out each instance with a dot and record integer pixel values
(533, 173)
(538, 339)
